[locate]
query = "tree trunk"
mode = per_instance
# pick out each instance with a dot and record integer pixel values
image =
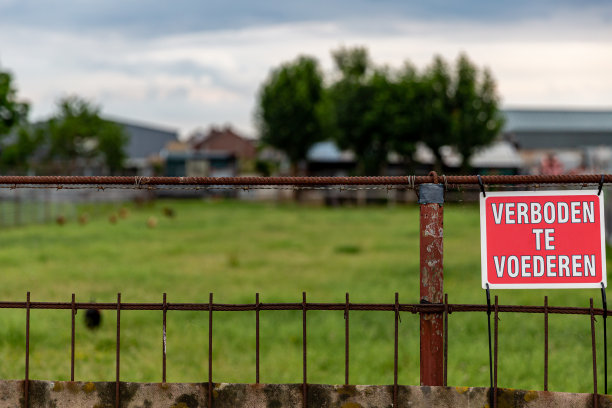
(466, 168)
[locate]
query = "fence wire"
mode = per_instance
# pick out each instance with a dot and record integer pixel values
(446, 309)
(340, 183)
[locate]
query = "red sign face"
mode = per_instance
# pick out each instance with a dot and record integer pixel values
(548, 239)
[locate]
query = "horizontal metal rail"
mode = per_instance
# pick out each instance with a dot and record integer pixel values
(366, 307)
(304, 306)
(408, 181)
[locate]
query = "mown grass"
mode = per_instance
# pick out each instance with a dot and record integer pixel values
(236, 249)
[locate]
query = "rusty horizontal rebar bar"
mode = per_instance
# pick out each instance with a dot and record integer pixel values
(407, 181)
(371, 307)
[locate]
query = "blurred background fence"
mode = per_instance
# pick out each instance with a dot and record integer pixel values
(24, 206)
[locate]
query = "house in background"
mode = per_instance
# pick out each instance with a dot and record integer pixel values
(220, 152)
(501, 157)
(225, 141)
(533, 141)
(144, 145)
(182, 160)
(193, 163)
(561, 141)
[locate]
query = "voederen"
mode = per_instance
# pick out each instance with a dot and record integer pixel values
(527, 266)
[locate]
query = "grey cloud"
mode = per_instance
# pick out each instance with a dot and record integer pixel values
(179, 68)
(147, 18)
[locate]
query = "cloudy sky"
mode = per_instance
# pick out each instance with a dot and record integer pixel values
(194, 63)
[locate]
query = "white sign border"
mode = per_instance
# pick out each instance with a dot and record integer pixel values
(483, 241)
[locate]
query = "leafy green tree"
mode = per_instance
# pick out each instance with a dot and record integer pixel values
(435, 101)
(287, 115)
(16, 149)
(476, 119)
(12, 112)
(405, 123)
(373, 110)
(78, 133)
(16, 155)
(458, 108)
(360, 110)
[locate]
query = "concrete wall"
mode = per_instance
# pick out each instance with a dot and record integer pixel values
(48, 394)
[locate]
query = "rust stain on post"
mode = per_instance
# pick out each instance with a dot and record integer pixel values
(431, 198)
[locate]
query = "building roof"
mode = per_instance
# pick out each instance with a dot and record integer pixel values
(146, 140)
(521, 120)
(224, 139)
(198, 155)
(328, 152)
(558, 129)
(499, 154)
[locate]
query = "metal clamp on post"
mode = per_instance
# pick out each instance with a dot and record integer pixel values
(431, 193)
(601, 183)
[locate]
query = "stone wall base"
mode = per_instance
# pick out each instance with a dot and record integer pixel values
(60, 394)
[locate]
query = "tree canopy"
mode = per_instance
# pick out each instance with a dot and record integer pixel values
(373, 110)
(475, 118)
(77, 131)
(356, 102)
(12, 111)
(15, 150)
(287, 113)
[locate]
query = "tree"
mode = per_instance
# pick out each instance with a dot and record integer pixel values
(435, 101)
(405, 126)
(288, 115)
(17, 148)
(459, 109)
(360, 109)
(78, 133)
(375, 110)
(12, 112)
(16, 155)
(476, 119)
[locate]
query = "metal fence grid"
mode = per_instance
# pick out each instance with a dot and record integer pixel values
(445, 309)
(438, 309)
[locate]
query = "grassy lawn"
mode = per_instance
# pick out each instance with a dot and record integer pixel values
(236, 249)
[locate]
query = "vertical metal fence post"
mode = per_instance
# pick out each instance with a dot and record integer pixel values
(495, 342)
(72, 339)
(604, 304)
(210, 350)
(165, 310)
(431, 199)
(26, 383)
(257, 306)
(118, 353)
(445, 339)
(594, 354)
(395, 349)
(545, 343)
(346, 340)
(304, 350)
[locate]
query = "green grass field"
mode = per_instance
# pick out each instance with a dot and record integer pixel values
(236, 249)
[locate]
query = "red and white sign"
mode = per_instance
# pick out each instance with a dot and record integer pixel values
(542, 239)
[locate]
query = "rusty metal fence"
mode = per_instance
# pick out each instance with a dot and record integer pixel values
(433, 307)
(445, 310)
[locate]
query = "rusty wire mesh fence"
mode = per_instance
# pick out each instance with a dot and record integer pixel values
(439, 310)
(445, 309)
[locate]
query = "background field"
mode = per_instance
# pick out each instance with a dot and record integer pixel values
(236, 249)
